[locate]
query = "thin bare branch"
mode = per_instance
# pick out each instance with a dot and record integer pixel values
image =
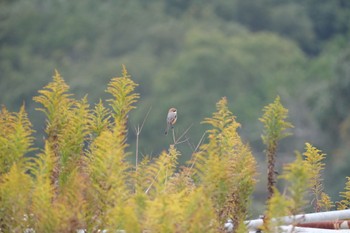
(196, 149)
(185, 140)
(183, 134)
(150, 186)
(138, 131)
(191, 146)
(145, 118)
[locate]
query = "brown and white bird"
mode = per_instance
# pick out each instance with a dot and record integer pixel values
(171, 119)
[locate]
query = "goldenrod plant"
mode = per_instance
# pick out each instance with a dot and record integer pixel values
(16, 138)
(16, 141)
(15, 189)
(106, 166)
(277, 206)
(345, 202)
(84, 177)
(275, 128)
(226, 167)
(297, 176)
(99, 119)
(52, 210)
(122, 89)
(313, 160)
(66, 127)
(293, 200)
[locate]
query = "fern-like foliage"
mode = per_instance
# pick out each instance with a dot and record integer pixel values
(275, 126)
(15, 138)
(16, 141)
(15, 189)
(107, 171)
(53, 211)
(199, 213)
(325, 202)
(82, 178)
(274, 120)
(182, 181)
(226, 167)
(160, 171)
(100, 119)
(55, 100)
(56, 104)
(277, 206)
(173, 202)
(345, 202)
(72, 138)
(67, 127)
(313, 160)
(44, 216)
(164, 213)
(297, 176)
(122, 89)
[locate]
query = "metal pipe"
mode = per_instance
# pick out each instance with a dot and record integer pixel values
(302, 218)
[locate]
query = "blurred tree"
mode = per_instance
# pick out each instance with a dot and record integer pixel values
(292, 21)
(247, 68)
(338, 108)
(183, 53)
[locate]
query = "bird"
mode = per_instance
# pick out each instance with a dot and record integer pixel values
(171, 119)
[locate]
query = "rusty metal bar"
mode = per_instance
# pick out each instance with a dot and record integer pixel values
(339, 224)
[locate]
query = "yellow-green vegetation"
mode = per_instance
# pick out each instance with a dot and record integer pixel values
(189, 54)
(345, 202)
(303, 176)
(297, 176)
(300, 177)
(313, 160)
(228, 161)
(82, 178)
(275, 126)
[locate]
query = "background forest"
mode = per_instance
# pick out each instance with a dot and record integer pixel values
(188, 54)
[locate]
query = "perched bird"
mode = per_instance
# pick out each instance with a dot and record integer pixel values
(171, 119)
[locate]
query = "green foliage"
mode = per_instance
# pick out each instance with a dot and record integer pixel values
(83, 178)
(313, 160)
(226, 167)
(100, 119)
(275, 125)
(55, 101)
(16, 138)
(182, 53)
(345, 202)
(121, 88)
(107, 170)
(15, 189)
(326, 202)
(277, 206)
(106, 163)
(199, 210)
(255, 50)
(161, 170)
(67, 126)
(293, 201)
(298, 177)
